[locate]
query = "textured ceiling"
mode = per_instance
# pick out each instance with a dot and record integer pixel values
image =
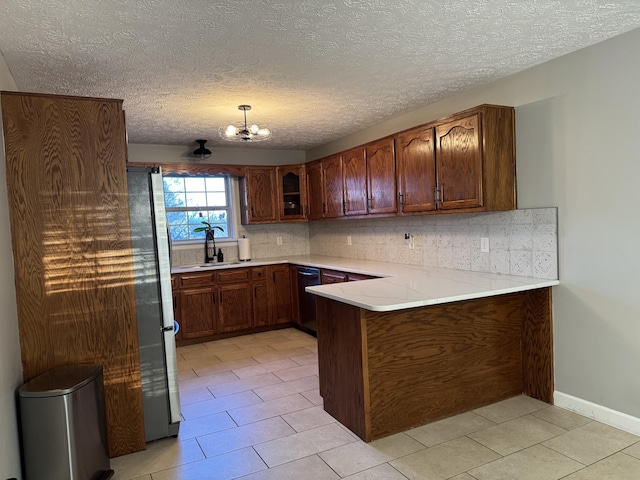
(314, 71)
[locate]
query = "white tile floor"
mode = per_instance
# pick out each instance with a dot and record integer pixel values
(252, 410)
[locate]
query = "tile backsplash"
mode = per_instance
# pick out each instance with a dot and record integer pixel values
(521, 242)
(264, 244)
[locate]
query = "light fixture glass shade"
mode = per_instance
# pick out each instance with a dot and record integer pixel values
(240, 132)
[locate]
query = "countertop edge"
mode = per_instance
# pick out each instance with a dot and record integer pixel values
(398, 287)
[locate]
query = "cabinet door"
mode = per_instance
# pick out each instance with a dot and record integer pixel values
(416, 167)
(381, 176)
(259, 195)
(354, 164)
(235, 307)
(332, 186)
(314, 191)
(459, 163)
(291, 193)
(282, 307)
(261, 307)
(198, 312)
(295, 301)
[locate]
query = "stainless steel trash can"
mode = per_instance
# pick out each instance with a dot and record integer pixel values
(63, 425)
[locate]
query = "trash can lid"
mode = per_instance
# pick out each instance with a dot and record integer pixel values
(60, 380)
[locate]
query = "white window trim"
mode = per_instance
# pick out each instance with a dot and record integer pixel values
(234, 209)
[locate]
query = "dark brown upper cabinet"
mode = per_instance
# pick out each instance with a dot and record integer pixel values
(292, 193)
(354, 167)
(416, 170)
(381, 176)
(258, 195)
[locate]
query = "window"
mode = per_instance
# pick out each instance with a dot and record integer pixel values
(189, 200)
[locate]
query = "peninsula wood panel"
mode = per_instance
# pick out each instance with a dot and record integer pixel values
(342, 364)
(436, 361)
(385, 372)
(71, 244)
(537, 349)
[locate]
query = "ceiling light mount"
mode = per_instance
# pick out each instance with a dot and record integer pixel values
(241, 132)
(202, 152)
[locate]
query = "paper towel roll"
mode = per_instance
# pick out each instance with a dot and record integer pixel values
(244, 249)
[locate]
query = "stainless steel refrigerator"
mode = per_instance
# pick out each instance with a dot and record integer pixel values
(154, 303)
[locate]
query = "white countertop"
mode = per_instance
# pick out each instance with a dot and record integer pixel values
(401, 286)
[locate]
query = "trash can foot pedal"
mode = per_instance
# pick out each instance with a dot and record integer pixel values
(106, 475)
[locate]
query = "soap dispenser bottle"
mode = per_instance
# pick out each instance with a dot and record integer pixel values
(220, 255)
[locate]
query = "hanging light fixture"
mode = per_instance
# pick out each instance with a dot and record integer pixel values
(241, 132)
(202, 152)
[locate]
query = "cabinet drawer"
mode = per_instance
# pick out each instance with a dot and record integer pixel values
(333, 276)
(354, 277)
(174, 282)
(234, 275)
(258, 273)
(196, 280)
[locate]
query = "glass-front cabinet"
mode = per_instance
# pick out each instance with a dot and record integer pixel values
(292, 202)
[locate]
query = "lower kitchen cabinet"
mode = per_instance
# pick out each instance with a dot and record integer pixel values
(233, 300)
(235, 307)
(261, 310)
(336, 276)
(332, 276)
(198, 312)
(280, 294)
(261, 305)
(355, 277)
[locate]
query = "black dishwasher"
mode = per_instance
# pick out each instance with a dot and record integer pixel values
(307, 277)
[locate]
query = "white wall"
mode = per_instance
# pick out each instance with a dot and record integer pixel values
(577, 127)
(10, 365)
(139, 152)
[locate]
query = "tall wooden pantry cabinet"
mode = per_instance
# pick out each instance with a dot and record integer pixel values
(71, 241)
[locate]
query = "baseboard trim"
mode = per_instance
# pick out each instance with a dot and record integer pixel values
(597, 412)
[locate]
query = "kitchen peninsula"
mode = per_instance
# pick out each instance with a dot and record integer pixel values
(402, 351)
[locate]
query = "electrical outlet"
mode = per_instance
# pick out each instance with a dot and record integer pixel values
(279, 240)
(409, 238)
(348, 239)
(484, 244)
